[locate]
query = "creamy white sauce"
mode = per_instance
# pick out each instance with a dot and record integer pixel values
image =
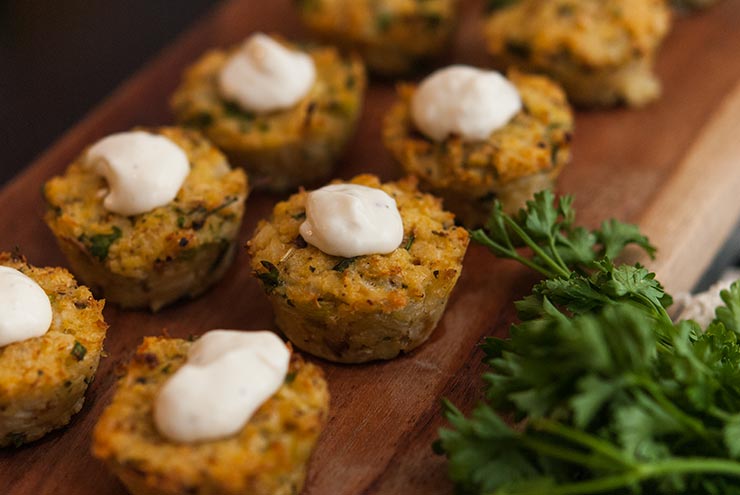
(25, 310)
(228, 375)
(352, 220)
(464, 101)
(143, 170)
(264, 76)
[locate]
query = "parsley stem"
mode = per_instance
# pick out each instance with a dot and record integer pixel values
(637, 475)
(558, 270)
(658, 308)
(589, 487)
(585, 459)
(719, 413)
(480, 237)
(556, 253)
(690, 422)
(606, 449)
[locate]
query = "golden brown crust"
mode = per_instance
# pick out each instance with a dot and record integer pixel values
(517, 160)
(43, 379)
(369, 307)
(268, 457)
(155, 258)
(602, 51)
(393, 36)
(280, 150)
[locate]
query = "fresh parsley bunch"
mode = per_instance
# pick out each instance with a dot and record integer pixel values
(605, 392)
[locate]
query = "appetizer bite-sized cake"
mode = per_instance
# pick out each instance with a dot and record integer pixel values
(601, 51)
(393, 36)
(282, 113)
(149, 216)
(233, 413)
(472, 136)
(358, 270)
(51, 337)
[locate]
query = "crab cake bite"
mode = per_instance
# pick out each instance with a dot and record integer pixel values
(233, 413)
(472, 136)
(282, 113)
(148, 217)
(358, 270)
(601, 51)
(393, 36)
(51, 337)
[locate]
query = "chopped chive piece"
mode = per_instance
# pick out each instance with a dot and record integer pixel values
(309, 4)
(200, 120)
(343, 264)
(554, 154)
(565, 10)
(17, 439)
(79, 351)
(233, 110)
(384, 21)
(99, 244)
(433, 19)
(290, 377)
(271, 278)
(519, 49)
(492, 5)
(410, 242)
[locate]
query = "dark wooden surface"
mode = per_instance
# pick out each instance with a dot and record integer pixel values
(634, 165)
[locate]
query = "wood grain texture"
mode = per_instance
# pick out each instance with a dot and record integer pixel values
(674, 166)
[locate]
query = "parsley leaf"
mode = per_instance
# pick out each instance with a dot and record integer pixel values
(729, 314)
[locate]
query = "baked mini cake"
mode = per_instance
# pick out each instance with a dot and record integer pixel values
(473, 136)
(358, 270)
(51, 337)
(229, 414)
(149, 216)
(281, 112)
(601, 51)
(393, 36)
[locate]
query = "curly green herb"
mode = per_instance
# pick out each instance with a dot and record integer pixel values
(636, 404)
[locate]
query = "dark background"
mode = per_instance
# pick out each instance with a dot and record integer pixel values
(59, 58)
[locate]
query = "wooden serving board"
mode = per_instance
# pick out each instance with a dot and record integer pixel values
(673, 167)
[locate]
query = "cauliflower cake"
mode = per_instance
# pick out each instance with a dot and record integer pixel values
(154, 258)
(369, 307)
(43, 379)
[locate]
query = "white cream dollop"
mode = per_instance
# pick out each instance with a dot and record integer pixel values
(25, 309)
(228, 375)
(264, 76)
(465, 101)
(143, 170)
(351, 220)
